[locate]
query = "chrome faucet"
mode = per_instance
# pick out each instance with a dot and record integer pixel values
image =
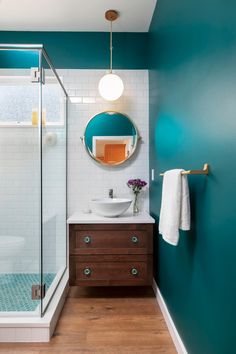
(110, 193)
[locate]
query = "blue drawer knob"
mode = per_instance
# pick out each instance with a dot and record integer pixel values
(87, 271)
(134, 271)
(134, 239)
(87, 239)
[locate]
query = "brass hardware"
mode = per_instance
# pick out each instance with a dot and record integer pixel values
(87, 271)
(134, 239)
(134, 271)
(204, 171)
(87, 239)
(111, 15)
(38, 291)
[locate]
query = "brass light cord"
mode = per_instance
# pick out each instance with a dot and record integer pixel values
(111, 48)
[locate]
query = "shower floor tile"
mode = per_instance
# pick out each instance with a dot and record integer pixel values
(15, 291)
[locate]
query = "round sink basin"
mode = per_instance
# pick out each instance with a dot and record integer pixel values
(110, 207)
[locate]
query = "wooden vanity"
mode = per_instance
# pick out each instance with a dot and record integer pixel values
(110, 251)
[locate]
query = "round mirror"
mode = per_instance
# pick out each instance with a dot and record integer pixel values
(110, 138)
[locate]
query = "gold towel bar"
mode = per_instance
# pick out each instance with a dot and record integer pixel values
(204, 171)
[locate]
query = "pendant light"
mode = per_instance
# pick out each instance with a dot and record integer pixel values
(111, 86)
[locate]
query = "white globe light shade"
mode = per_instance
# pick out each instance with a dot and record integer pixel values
(111, 87)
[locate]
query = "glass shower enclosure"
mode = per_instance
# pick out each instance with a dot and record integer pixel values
(33, 169)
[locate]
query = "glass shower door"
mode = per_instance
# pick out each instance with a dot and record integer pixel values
(19, 182)
(54, 173)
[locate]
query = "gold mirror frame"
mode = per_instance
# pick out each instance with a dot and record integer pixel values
(89, 152)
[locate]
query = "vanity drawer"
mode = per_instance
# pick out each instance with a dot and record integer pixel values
(108, 239)
(111, 270)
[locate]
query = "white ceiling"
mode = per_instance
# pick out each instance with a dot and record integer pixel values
(75, 15)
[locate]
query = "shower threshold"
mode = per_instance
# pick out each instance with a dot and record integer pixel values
(28, 326)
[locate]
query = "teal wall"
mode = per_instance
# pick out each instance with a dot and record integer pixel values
(86, 50)
(193, 121)
(19, 58)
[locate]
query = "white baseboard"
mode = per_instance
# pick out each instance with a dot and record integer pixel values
(179, 345)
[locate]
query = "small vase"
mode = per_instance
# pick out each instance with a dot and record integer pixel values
(135, 205)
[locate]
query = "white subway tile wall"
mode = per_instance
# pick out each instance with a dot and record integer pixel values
(20, 187)
(19, 197)
(86, 178)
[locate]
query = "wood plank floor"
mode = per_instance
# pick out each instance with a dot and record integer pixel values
(105, 320)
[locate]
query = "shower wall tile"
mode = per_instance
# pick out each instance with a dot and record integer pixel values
(20, 199)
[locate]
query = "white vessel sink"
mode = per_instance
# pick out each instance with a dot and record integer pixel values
(110, 207)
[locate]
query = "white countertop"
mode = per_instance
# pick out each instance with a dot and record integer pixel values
(126, 218)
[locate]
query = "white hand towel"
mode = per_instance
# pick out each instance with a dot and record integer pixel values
(175, 206)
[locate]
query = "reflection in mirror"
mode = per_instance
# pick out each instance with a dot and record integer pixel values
(110, 138)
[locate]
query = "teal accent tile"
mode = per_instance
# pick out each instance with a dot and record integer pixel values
(15, 291)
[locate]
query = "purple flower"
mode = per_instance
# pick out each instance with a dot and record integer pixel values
(136, 184)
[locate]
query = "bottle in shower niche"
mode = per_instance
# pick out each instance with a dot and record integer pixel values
(35, 117)
(44, 118)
